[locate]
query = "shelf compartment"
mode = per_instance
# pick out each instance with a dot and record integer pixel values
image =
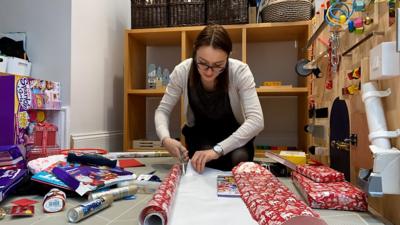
(140, 48)
(287, 31)
(155, 37)
(139, 116)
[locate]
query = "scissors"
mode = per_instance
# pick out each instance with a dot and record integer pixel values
(182, 159)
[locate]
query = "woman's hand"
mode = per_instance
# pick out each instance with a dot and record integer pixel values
(176, 148)
(200, 158)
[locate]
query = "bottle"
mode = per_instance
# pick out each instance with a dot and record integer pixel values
(151, 76)
(165, 77)
(159, 78)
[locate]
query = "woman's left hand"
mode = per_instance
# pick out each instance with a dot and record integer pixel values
(200, 158)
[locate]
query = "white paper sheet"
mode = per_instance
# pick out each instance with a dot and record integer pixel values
(196, 202)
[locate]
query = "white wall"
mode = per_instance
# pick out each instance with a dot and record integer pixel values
(97, 29)
(47, 24)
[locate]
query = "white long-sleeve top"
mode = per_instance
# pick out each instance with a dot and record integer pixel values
(243, 97)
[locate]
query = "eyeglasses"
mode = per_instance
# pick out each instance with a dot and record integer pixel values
(215, 69)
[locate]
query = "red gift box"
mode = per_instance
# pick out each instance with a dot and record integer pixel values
(320, 173)
(334, 195)
(45, 135)
(268, 200)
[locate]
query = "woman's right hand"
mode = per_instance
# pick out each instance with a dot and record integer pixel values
(175, 148)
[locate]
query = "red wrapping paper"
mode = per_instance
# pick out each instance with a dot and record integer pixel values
(335, 195)
(320, 173)
(268, 200)
(159, 205)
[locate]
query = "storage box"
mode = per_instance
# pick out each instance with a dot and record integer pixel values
(18, 66)
(18, 95)
(185, 13)
(227, 12)
(149, 13)
(3, 63)
(296, 157)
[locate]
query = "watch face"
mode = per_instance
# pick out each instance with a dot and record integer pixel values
(218, 149)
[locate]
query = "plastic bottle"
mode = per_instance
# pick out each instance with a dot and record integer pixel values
(151, 76)
(165, 77)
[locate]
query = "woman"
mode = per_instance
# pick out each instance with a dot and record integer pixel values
(222, 109)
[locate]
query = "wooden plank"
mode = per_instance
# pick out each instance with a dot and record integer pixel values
(147, 92)
(295, 91)
(257, 32)
(137, 64)
(275, 33)
(186, 46)
(360, 155)
(159, 39)
(244, 45)
(236, 26)
(302, 118)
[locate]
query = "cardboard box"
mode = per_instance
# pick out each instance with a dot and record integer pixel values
(18, 66)
(18, 95)
(3, 63)
(296, 157)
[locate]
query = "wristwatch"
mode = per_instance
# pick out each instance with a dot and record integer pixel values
(218, 149)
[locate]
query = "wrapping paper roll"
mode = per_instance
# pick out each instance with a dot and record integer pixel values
(158, 208)
(269, 201)
(320, 173)
(335, 195)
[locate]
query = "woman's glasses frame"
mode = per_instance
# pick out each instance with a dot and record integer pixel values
(215, 69)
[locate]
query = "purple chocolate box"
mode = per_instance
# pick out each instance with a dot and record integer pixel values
(7, 101)
(18, 94)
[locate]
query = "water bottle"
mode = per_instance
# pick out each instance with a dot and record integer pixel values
(151, 76)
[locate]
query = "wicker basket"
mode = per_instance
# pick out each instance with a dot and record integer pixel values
(183, 13)
(227, 11)
(286, 10)
(149, 13)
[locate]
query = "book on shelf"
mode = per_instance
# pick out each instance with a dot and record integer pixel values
(226, 186)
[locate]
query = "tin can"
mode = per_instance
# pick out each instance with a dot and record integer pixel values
(117, 193)
(54, 201)
(82, 211)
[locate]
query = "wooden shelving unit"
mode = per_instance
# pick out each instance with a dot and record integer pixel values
(137, 40)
